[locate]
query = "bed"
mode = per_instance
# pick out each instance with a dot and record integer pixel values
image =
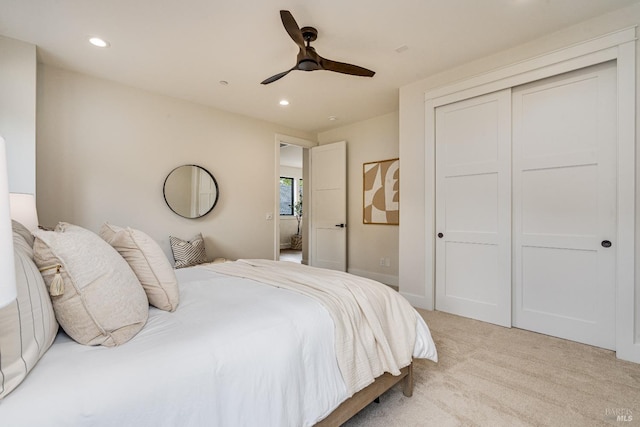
(236, 351)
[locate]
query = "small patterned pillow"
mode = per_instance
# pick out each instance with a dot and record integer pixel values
(188, 253)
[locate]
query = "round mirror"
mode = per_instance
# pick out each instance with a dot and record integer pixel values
(190, 191)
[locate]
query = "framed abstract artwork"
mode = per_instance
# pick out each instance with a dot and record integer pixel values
(381, 193)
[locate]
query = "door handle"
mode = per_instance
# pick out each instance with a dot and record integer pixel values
(606, 244)
(440, 235)
(341, 225)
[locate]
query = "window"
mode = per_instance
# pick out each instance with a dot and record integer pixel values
(290, 195)
(297, 205)
(286, 195)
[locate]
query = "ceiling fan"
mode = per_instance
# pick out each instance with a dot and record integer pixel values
(308, 59)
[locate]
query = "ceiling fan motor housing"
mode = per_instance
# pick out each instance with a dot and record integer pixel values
(308, 59)
(308, 65)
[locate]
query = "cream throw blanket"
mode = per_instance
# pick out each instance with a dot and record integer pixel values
(375, 327)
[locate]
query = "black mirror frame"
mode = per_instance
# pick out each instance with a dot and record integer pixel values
(215, 183)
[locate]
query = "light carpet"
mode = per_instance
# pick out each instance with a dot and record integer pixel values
(494, 376)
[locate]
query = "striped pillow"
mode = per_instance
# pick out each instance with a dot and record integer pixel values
(188, 252)
(28, 325)
(22, 231)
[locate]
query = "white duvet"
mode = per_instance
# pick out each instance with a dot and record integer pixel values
(234, 353)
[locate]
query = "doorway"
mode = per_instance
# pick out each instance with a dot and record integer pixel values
(291, 161)
(291, 198)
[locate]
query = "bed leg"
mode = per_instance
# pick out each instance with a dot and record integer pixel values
(407, 386)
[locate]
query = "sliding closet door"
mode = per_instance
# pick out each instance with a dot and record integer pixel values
(564, 191)
(473, 208)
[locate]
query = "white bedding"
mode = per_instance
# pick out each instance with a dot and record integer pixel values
(375, 328)
(199, 365)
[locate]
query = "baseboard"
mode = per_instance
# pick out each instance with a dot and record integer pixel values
(387, 279)
(419, 301)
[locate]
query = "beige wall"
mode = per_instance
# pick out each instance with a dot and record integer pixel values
(18, 112)
(412, 136)
(104, 150)
(368, 141)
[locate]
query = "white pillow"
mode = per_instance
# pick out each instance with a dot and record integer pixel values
(148, 262)
(188, 252)
(103, 302)
(28, 325)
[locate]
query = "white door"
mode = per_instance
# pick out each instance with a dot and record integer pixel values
(564, 194)
(206, 192)
(473, 208)
(329, 206)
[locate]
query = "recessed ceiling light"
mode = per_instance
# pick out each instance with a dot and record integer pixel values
(333, 118)
(402, 48)
(97, 41)
(224, 82)
(284, 102)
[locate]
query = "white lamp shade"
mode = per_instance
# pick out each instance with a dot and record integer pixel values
(7, 266)
(23, 209)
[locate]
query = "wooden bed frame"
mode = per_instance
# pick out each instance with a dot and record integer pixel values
(358, 401)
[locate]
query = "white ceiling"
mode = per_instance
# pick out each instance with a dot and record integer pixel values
(184, 48)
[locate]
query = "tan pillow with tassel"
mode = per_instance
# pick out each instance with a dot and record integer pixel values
(56, 286)
(96, 296)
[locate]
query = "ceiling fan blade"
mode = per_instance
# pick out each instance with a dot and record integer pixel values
(292, 28)
(276, 77)
(341, 67)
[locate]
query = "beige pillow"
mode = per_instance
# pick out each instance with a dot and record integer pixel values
(148, 262)
(103, 302)
(28, 325)
(188, 252)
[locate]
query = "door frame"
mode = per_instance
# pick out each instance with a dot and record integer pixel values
(619, 46)
(300, 142)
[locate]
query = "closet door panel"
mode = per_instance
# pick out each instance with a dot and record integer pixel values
(564, 187)
(477, 193)
(563, 274)
(560, 201)
(473, 208)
